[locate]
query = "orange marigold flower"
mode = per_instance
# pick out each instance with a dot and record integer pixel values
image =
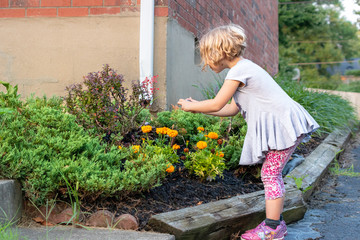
(201, 145)
(200, 129)
(213, 135)
(186, 150)
(172, 133)
(170, 169)
(221, 154)
(175, 146)
(136, 148)
(120, 147)
(166, 130)
(146, 129)
(162, 130)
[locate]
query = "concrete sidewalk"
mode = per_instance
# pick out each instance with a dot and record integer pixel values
(72, 233)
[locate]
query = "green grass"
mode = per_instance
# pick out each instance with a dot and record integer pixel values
(351, 87)
(336, 169)
(330, 111)
(8, 230)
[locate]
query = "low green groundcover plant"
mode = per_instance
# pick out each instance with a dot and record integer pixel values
(40, 143)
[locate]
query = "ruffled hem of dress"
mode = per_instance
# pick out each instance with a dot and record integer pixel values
(274, 133)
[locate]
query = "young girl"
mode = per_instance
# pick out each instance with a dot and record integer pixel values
(276, 123)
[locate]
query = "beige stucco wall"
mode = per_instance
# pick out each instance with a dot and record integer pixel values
(44, 55)
(184, 75)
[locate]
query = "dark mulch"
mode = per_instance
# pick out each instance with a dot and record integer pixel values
(179, 190)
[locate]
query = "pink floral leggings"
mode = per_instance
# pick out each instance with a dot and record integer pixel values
(271, 171)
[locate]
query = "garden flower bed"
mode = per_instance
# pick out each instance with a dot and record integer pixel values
(104, 150)
(179, 190)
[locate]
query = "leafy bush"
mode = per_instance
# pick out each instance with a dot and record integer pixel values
(207, 161)
(351, 87)
(103, 104)
(190, 122)
(40, 144)
(234, 147)
(353, 72)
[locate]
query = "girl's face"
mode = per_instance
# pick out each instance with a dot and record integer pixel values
(217, 67)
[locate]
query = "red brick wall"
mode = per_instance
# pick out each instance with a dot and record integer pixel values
(72, 8)
(258, 17)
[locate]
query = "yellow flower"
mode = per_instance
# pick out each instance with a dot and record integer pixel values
(120, 147)
(146, 129)
(136, 148)
(213, 135)
(170, 169)
(172, 133)
(175, 147)
(200, 129)
(201, 145)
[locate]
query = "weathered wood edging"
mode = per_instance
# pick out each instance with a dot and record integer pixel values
(219, 219)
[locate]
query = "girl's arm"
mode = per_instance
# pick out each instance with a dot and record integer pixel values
(227, 111)
(213, 105)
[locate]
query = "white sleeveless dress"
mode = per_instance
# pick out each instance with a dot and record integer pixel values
(274, 120)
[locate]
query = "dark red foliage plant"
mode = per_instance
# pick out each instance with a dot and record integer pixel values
(101, 103)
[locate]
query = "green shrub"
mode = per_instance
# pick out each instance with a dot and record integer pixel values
(41, 144)
(353, 72)
(102, 103)
(351, 87)
(233, 148)
(191, 121)
(207, 161)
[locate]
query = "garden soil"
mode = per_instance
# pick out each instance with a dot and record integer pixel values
(179, 190)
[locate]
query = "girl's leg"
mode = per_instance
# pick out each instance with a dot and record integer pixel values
(271, 175)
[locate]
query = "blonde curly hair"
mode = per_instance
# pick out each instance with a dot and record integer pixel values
(224, 42)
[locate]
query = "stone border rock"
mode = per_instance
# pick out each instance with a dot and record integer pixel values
(218, 220)
(11, 204)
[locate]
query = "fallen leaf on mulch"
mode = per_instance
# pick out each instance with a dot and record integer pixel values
(38, 219)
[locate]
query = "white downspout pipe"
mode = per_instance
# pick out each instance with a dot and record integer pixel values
(146, 55)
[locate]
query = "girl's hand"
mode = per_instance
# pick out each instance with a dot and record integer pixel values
(191, 100)
(185, 104)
